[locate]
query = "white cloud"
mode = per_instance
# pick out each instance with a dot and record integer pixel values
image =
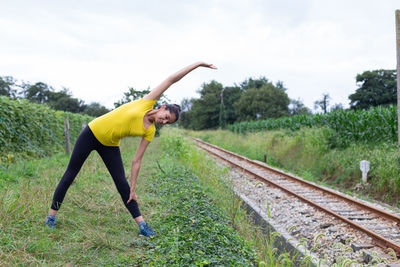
(98, 48)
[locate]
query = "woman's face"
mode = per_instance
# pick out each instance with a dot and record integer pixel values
(163, 116)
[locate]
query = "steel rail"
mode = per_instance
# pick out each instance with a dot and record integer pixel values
(378, 240)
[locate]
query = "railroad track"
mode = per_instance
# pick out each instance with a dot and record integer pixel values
(383, 227)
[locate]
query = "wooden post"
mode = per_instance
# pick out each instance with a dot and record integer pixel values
(66, 134)
(398, 74)
(265, 158)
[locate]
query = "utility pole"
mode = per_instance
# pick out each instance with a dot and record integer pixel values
(221, 110)
(398, 74)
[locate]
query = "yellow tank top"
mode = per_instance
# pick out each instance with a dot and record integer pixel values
(126, 120)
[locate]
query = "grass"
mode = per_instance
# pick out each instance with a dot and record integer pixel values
(307, 153)
(94, 227)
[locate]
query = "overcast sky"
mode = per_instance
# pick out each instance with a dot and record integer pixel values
(98, 49)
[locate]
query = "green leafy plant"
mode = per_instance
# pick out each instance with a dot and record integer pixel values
(195, 232)
(377, 124)
(22, 121)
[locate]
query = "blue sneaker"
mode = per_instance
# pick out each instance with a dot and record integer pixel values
(50, 221)
(146, 230)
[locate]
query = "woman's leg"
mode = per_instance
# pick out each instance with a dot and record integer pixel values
(113, 161)
(83, 146)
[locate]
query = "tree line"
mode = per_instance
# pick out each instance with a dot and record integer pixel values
(219, 105)
(260, 99)
(43, 93)
(63, 100)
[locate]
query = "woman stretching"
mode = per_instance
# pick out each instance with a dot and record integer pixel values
(104, 133)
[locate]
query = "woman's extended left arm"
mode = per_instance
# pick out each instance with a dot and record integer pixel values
(137, 160)
(160, 89)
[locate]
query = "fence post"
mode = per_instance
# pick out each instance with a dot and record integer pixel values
(66, 134)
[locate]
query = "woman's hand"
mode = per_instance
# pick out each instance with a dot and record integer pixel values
(132, 196)
(206, 65)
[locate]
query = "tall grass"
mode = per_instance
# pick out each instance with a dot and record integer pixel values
(378, 124)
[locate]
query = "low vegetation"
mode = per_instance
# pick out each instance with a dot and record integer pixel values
(192, 230)
(94, 228)
(375, 125)
(309, 154)
(27, 128)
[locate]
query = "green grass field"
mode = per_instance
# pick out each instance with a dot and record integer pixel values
(94, 228)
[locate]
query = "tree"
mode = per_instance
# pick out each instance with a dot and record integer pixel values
(44, 94)
(95, 109)
(256, 83)
(323, 103)
(133, 94)
(185, 118)
(7, 86)
(377, 87)
(38, 92)
(231, 95)
(205, 111)
(213, 109)
(265, 102)
(337, 106)
(219, 105)
(64, 101)
(296, 107)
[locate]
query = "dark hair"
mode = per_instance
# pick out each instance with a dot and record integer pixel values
(174, 108)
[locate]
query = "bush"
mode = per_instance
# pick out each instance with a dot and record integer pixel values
(39, 125)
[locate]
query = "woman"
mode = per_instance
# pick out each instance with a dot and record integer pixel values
(103, 134)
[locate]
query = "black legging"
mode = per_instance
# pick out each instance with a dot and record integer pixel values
(111, 156)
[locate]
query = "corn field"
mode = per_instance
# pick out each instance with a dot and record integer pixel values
(378, 124)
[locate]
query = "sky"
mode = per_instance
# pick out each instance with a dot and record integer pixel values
(98, 49)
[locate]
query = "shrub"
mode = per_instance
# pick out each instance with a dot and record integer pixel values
(22, 122)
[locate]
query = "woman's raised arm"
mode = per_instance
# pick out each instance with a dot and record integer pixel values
(160, 89)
